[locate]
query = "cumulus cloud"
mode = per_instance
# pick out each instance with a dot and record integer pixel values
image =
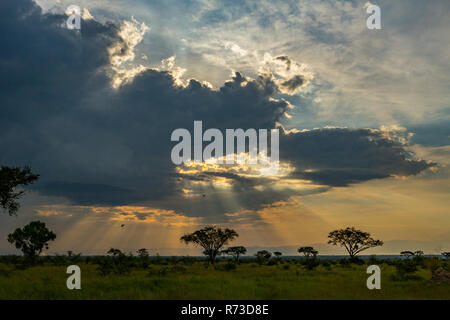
(98, 143)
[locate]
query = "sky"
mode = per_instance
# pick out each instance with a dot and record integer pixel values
(363, 118)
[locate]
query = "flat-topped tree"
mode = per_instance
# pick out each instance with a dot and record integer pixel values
(418, 253)
(114, 252)
(211, 239)
(142, 253)
(353, 240)
(10, 179)
(407, 254)
(235, 252)
(308, 251)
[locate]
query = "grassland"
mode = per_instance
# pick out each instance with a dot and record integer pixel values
(285, 280)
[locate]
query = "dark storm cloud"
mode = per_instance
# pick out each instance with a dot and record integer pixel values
(436, 134)
(96, 145)
(341, 156)
(82, 193)
(60, 114)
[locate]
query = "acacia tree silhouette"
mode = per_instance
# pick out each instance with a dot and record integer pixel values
(407, 254)
(308, 251)
(211, 239)
(353, 240)
(235, 252)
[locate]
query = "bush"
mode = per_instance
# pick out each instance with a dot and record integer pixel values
(272, 262)
(285, 267)
(311, 264)
(118, 264)
(62, 260)
(373, 260)
(356, 260)
(405, 270)
(432, 263)
(446, 266)
(104, 267)
(58, 260)
(262, 256)
(344, 262)
(333, 262)
(226, 266)
(186, 261)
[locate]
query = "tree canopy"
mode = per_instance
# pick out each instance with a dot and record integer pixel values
(142, 253)
(353, 240)
(10, 178)
(211, 239)
(32, 238)
(235, 252)
(308, 251)
(262, 256)
(407, 254)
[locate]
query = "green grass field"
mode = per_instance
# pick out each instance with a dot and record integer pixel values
(248, 281)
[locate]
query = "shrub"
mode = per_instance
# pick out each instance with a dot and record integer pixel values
(344, 262)
(446, 266)
(119, 263)
(262, 256)
(58, 260)
(73, 258)
(432, 263)
(372, 260)
(272, 262)
(405, 270)
(104, 267)
(311, 264)
(187, 261)
(356, 260)
(229, 266)
(143, 257)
